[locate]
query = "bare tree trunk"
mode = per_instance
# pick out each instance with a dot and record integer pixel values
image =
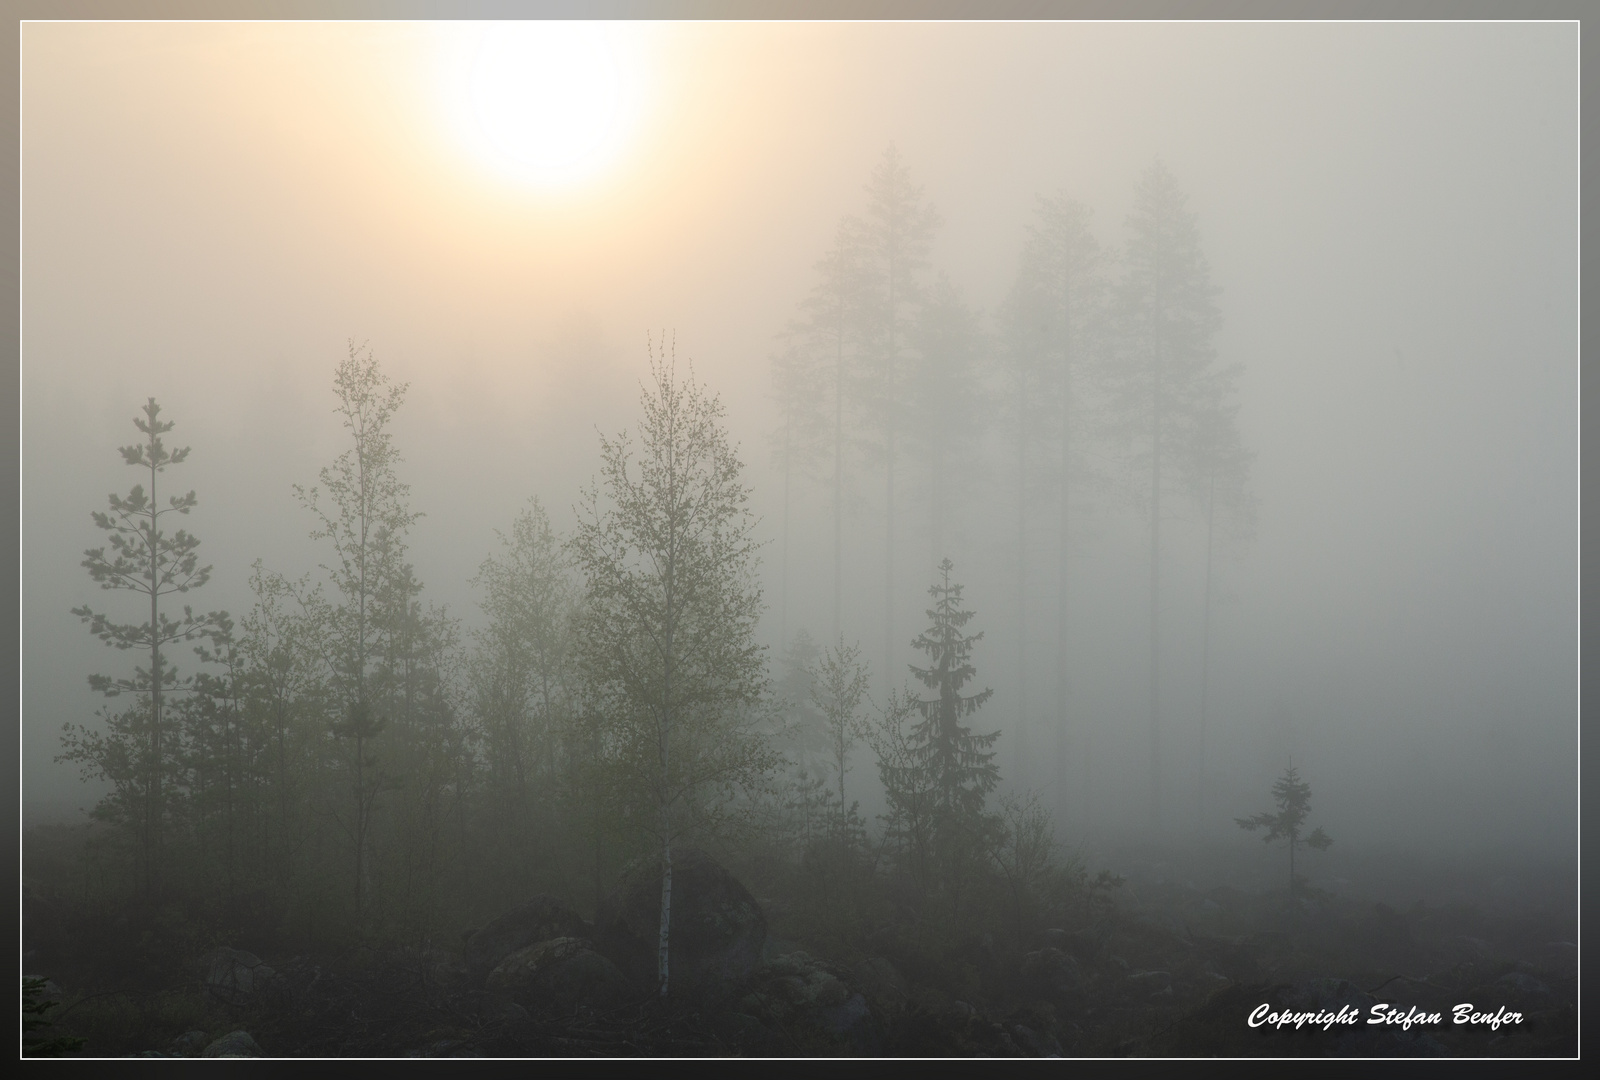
(1155, 557)
(888, 549)
(1062, 729)
(1018, 744)
(153, 788)
(664, 790)
(783, 588)
(666, 892)
(838, 469)
(1205, 652)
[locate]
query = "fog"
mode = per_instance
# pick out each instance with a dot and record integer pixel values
(210, 212)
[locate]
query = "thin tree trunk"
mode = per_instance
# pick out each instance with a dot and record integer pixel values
(888, 567)
(1019, 749)
(783, 593)
(838, 466)
(888, 550)
(1205, 652)
(153, 789)
(1061, 579)
(666, 888)
(664, 790)
(1155, 556)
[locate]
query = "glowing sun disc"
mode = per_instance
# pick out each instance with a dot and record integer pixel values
(547, 97)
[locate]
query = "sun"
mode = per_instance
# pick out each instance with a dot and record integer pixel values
(544, 102)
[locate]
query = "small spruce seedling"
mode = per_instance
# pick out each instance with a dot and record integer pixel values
(1293, 796)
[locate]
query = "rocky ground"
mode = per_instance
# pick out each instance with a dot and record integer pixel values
(1170, 970)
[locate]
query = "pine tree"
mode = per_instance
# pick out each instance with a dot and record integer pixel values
(1293, 796)
(945, 405)
(797, 385)
(1218, 475)
(960, 763)
(1052, 324)
(137, 751)
(1167, 318)
(832, 332)
(896, 235)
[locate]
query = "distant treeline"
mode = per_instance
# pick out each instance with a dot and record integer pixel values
(1097, 375)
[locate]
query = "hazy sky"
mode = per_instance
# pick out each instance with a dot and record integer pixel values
(210, 211)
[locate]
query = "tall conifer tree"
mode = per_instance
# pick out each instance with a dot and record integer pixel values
(897, 233)
(136, 752)
(1167, 318)
(1052, 323)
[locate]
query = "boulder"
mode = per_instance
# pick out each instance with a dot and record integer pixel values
(563, 973)
(588, 979)
(1052, 974)
(189, 1044)
(884, 986)
(1083, 944)
(236, 977)
(810, 1000)
(541, 919)
(717, 928)
(438, 966)
(838, 1020)
(803, 984)
(233, 1044)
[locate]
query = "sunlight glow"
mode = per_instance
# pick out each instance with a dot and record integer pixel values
(549, 103)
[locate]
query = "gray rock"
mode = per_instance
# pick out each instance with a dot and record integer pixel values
(189, 1044)
(1051, 973)
(588, 979)
(540, 919)
(815, 990)
(717, 932)
(234, 976)
(439, 966)
(884, 986)
(1083, 945)
(233, 1044)
(518, 968)
(562, 972)
(837, 1020)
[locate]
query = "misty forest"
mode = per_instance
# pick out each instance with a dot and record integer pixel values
(883, 569)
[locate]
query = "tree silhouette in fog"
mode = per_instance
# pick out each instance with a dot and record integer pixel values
(1161, 377)
(667, 631)
(1293, 796)
(137, 752)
